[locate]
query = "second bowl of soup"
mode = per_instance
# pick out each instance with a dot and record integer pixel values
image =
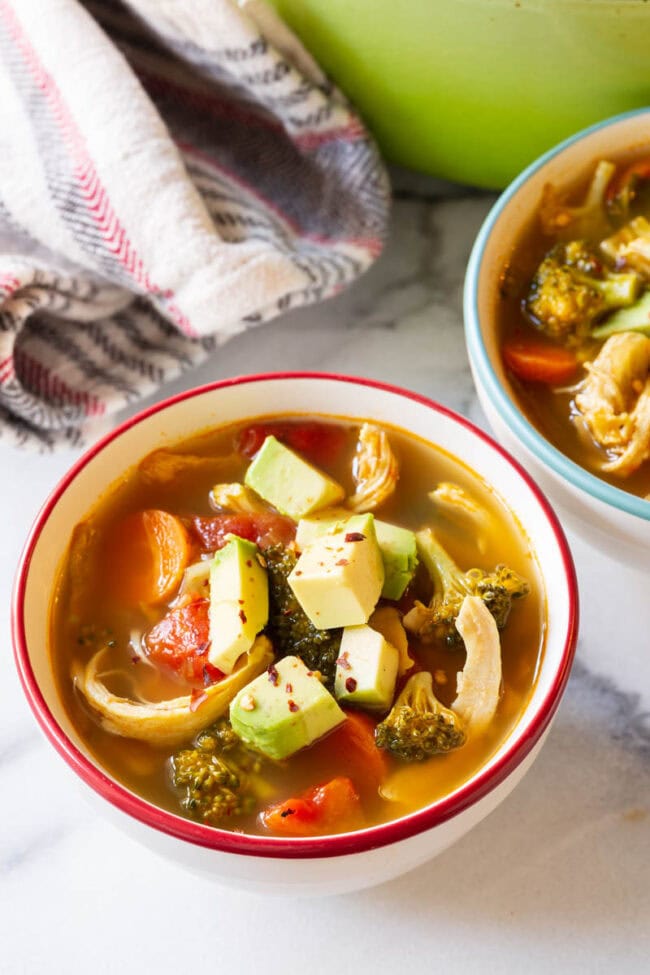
(298, 637)
(557, 304)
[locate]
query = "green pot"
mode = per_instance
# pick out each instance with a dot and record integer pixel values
(474, 90)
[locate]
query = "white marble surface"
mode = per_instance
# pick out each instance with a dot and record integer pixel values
(557, 879)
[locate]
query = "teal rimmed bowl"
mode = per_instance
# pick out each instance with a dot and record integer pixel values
(608, 517)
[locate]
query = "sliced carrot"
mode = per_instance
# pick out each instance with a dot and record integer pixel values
(536, 362)
(146, 556)
(332, 807)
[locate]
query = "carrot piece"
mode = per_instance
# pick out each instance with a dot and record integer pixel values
(332, 807)
(146, 556)
(536, 362)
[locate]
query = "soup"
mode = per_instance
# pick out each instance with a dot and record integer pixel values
(297, 626)
(575, 322)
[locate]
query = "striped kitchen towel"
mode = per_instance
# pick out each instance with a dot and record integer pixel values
(171, 173)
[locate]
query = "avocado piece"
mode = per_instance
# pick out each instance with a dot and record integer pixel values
(397, 546)
(239, 602)
(399, 554)
(288, 482)
(339, 577)
(284, 709)
(366, 670)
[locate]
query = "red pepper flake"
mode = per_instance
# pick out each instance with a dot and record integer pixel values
(344, 661)
(274, 677)
(249, 563)
(287, 812)
(289, 688)
(293, 707)
(354, 537)
(211, 675)
(343, 562)
(350, 685)
(242, 616)
(241, 602)
(197, 699)
(298, 572)
(135, 659)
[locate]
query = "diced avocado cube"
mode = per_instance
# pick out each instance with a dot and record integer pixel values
(239, 602)
(339, 577)
(397, 546)
(399, 555)
(319, 524)
(366, 670)
(288, 482)
(284, 709)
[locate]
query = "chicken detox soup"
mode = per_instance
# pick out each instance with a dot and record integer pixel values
(296, 627)
(576, 323)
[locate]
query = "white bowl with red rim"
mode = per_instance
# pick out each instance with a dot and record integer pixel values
(328, 864)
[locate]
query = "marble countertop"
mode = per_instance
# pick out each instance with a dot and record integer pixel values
(557, 879)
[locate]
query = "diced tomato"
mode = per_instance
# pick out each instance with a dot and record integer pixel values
(332, 807)
(265, 529)
(351, 749)
(536, 362)
(146, 555)
(322, 443)
(181, 641)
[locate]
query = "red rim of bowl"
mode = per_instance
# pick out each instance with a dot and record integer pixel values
(483, 782)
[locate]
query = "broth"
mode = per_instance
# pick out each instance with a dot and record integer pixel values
(82, 606)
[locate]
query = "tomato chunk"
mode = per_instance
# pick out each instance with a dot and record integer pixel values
(536, 362)
(265, 529)
(322, 443)
(332, 807)
(351, 749)
(181, 641)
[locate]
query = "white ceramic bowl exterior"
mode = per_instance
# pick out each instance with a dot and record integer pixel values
(608, 517)
(327, 864)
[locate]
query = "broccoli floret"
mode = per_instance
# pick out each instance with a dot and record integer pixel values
(572, 288)
(497, 589)
(213, 777)
(418, 725)
(289, 628)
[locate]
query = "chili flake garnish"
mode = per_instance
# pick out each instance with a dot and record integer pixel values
(287, 812)
(343, 562)
(211, 674)
(354, 537)
(350, 685)
(289, 688)
(242, 616)
(249, 563)
(293, 706)
(135, 659)
(344, 661)
(274, 677)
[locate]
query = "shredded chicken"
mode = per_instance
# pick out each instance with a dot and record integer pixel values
(614, 401)
(456, 504)
(164, 466)
(478, 685)
(237, 498)
(586, 219)
(173, 721)
(630, 246)
(375, 470)
(387, 621)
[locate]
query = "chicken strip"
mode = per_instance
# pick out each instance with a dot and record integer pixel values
(375, 470)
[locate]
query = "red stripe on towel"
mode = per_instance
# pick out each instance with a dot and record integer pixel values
(94, 193)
